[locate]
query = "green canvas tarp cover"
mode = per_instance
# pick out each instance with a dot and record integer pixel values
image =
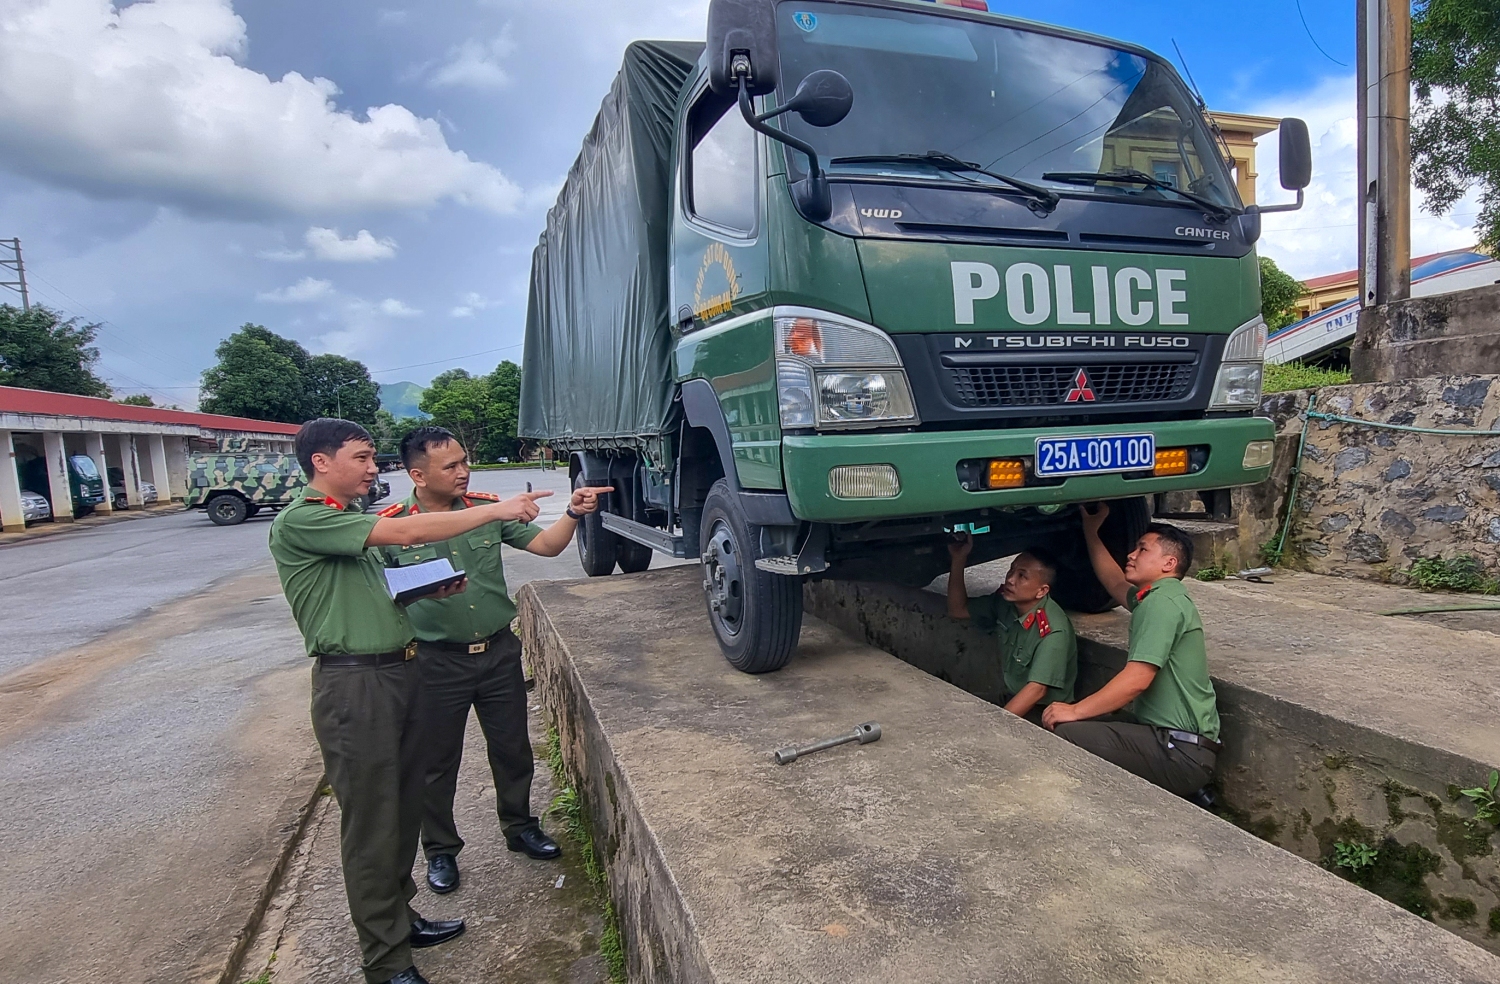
(597, 365)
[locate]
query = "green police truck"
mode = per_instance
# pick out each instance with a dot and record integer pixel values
(858, 274)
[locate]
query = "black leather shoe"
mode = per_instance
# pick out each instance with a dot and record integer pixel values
(408, 976)
(535, 843)
(1205, 798)
(442, 873)
(425, 933)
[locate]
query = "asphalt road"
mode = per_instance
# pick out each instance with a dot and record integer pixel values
(154, 738)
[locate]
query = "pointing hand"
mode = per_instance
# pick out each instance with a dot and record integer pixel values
(521, 508)
(1093, 520)
(586, 499)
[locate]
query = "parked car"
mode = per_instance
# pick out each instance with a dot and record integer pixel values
(34, 508)
(84, 480)
(117, 495)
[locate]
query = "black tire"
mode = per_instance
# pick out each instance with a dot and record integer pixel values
(1076, 588)
(756, 616)
(121, 502)
(597, 547)
(633, 557)
(227, 510)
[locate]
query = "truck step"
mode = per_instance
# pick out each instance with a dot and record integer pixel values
(649, 536)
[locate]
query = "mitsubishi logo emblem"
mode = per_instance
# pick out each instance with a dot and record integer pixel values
(1082, 389)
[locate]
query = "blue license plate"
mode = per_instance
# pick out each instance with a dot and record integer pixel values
(1057, 456)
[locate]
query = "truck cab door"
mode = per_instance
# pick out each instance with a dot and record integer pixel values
(719, 273)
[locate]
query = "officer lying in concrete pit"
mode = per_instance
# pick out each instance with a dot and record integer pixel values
(366, 691)
(1038, 652)
(466, 653)
(1172, 735)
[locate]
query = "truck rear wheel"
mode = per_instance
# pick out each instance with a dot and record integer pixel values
(598, 548)
(1076, 588)
(633, 557)
(756, 615)
(227, 510)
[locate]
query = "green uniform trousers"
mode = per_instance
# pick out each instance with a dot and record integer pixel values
(493, 684)
(368, 723)
(1145, 751)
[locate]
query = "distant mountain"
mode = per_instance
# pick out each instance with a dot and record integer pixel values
(402, 399)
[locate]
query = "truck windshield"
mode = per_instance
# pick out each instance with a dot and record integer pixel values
(1020, 103)
(84, 466)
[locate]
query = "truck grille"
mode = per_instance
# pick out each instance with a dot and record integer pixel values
(1048, 385)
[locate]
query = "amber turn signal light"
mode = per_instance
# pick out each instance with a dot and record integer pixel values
(1171, 461)
(1007, 473)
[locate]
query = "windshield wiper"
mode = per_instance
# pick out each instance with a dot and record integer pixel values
(1141, 178)
(1043, 198)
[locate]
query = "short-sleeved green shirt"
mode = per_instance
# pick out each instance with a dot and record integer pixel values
(484, 607)
(1166, 632)
(334, 583)
(1044, 651)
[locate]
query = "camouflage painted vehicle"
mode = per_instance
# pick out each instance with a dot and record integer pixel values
(233, 486)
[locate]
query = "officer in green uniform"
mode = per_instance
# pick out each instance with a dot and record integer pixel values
(466, 653)
(1038, 652)
(366, 692)
(1171, 736)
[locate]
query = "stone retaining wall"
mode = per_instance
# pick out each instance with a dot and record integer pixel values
(1371, 501)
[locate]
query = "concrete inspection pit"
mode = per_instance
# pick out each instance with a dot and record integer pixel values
(965, 845)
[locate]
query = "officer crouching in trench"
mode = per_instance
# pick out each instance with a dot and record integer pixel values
(466, 653)
(366, 691)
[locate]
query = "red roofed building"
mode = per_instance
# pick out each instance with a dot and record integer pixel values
(138, 443)
(1335, 288)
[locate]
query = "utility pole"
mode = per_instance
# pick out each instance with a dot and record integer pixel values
(1384, 40)
(10, 259)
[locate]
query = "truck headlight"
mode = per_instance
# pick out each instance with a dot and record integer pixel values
(1238, 383)
(866, 387)
(863, 397)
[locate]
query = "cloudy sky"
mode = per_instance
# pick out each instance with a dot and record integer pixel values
(370, 178)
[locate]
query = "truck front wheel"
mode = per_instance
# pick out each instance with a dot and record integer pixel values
(598, 548)
(756, 615)
(227, 510)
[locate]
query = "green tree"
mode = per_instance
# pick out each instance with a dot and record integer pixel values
(1455, 134)
(39, 350)
(336, 386)
(1279, 291)
(388, 430)
(482, 411)
(137, 400)
(259, 375)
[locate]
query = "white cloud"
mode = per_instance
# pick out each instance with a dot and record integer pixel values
(326, 244)
(1323, 237)
(147, 101)
(390, 307)
(475, 64)
(471, 303)
(303, 291)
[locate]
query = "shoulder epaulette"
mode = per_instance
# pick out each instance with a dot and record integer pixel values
(390, 511)
(313, 498)
(484, 496)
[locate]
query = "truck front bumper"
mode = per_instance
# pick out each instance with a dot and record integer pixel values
(927, 463)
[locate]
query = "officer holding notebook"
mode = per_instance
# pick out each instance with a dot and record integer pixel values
(366, 691)
(466, 653)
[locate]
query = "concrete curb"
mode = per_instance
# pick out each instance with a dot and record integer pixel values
(89, 523)
(235, 959)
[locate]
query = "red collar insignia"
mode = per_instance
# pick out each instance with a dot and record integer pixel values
(1039, 619)
(1141, 594)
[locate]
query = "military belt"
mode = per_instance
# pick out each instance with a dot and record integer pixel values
(369, 659)
(470, 648)
(1188, 738)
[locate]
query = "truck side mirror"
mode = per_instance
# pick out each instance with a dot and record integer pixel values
(742, 42)
(822, 99)
(1296, 155)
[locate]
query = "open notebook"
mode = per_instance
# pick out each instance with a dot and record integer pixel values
(410, 583)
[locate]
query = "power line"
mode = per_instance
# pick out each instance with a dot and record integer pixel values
(454, 358)
(1315, 40)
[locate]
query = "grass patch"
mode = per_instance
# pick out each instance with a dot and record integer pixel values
(1486, 806)
(263, 978)
(1295, 376)
(1214, 573)
(1463, 573)
(568, 808)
